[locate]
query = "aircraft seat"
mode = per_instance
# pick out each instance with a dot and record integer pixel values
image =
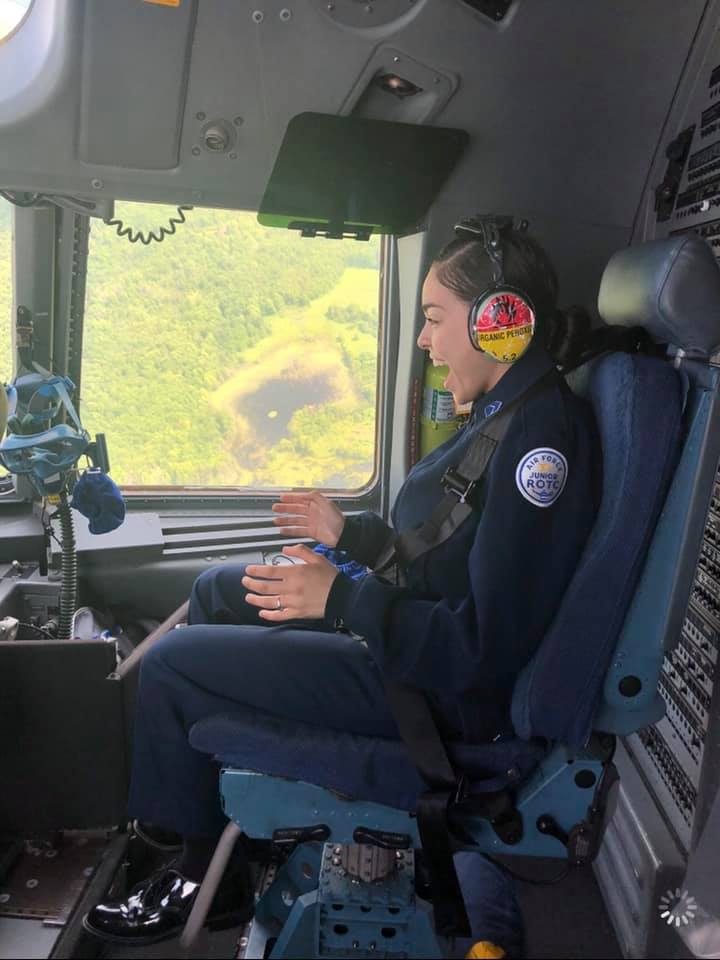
(345, 804)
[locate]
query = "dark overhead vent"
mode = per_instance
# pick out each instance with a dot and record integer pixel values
(493, 9)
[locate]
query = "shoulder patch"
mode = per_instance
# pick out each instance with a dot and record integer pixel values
(492, 408)
(541, 475)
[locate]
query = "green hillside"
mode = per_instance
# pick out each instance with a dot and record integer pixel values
(229, 354)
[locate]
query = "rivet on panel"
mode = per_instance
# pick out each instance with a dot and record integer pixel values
(285, 14)
(200, 115)
(258, 16)
(96, 184)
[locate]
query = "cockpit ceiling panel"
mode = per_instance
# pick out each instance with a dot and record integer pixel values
(564, 102)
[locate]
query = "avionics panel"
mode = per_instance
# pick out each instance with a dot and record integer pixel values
(676, 756)
(670, 753)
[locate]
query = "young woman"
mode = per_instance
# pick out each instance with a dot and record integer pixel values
(469, 613)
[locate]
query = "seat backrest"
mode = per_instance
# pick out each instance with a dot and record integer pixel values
(598, 665)
(630, 697)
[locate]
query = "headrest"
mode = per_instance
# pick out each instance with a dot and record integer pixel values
(671, 288)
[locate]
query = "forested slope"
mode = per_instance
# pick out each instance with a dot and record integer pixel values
(228, 354)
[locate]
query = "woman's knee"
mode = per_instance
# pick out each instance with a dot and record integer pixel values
(170, 653)
(177, 652)
(210, 580)
(215, 593)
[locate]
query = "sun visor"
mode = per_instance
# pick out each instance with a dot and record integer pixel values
(352, 177)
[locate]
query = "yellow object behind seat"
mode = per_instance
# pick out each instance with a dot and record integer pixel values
(483, 948)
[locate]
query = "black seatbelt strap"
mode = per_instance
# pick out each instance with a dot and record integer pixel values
(419, 732)
(461, 484)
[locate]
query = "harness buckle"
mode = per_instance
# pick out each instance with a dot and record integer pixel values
(456, 483)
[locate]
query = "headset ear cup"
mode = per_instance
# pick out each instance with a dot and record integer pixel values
(501, 323)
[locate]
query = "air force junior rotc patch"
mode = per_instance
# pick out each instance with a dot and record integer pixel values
(541, 476)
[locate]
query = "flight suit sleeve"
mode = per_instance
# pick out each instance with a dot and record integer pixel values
(364, 537)
(526, 546)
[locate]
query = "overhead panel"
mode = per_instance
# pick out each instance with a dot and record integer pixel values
(561, 126)
(134, 83)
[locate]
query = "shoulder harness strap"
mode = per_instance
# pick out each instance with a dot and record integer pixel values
(460, 483)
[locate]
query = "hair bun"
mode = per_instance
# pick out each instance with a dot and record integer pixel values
(570, 332)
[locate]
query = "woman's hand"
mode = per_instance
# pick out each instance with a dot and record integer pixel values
(310, 515)
(291, 591)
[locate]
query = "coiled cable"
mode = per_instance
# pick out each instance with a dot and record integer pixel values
(146, 238)
(68, 569)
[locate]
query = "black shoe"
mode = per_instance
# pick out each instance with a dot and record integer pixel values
(157, 838)
(158, 908)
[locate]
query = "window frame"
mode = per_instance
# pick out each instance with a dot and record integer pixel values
(18, 26)
(236, 502)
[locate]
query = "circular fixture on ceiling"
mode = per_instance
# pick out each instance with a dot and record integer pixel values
(12, 15)
(370, 15)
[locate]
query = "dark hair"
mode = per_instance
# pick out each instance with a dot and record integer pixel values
(464, 267)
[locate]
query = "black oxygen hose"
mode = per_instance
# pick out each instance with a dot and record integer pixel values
(68, 569)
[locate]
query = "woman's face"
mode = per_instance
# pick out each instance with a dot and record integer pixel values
(445, 336)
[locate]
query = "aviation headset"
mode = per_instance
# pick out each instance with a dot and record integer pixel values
(501, 321)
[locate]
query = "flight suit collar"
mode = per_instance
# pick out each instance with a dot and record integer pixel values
(528, 369)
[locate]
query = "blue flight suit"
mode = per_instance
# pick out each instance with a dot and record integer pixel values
(475, 608)
(471, 614)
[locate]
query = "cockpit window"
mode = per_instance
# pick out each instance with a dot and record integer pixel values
(231, 355)
(5, 292)
(12, 14)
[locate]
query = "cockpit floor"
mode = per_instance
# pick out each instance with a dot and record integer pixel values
(565, 921)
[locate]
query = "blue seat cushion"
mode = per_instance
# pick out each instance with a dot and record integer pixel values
(638, 405)
(364, 768)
